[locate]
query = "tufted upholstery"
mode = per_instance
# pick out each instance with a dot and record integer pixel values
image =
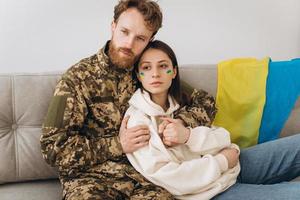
(24, 102)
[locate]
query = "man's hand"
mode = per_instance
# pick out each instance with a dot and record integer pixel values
(173, 131)
(232, 156)
(133, 138)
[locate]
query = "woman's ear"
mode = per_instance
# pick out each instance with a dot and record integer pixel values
(174, 72)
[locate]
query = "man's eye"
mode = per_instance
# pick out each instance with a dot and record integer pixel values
(124, 32)
(141, 39)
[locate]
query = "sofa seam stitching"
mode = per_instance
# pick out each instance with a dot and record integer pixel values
(15, 130)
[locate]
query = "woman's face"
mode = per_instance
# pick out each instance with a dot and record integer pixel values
(156, 71)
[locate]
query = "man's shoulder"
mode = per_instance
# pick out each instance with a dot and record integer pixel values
(82, 70)
(83, 65)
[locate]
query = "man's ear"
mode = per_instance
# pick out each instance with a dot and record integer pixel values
(113, 27)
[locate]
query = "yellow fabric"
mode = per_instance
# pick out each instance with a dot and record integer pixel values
(241, 96)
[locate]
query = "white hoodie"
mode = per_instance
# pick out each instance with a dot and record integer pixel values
(194, 170)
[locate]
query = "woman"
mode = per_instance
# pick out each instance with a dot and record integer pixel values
(204, 165)
(200, 168)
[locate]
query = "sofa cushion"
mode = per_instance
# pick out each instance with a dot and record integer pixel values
(200, 76)
(33, 190)
(24, 103)
(292, 126)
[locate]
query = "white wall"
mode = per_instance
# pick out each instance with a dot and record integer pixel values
(49, 35)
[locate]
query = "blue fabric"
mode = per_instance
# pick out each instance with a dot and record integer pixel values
(265, 171)
(282, 92)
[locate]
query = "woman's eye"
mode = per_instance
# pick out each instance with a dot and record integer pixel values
(145, 67)
(164, 66)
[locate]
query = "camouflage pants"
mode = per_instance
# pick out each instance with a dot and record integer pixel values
(94, 189)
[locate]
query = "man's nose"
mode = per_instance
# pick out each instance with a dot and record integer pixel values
(129, 42)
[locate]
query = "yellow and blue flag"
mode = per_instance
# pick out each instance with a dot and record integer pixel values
(255, 97)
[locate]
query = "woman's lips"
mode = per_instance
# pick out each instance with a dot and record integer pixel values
(156, 83)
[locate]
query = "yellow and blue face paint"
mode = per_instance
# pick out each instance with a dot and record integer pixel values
(142, 74)
(169, 71)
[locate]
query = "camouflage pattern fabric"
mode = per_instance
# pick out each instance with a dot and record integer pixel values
(201, 110)
(80, 132)
(97, 189)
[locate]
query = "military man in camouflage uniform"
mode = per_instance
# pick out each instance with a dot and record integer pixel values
(81, 130)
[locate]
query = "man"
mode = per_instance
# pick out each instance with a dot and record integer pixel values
(81, 130)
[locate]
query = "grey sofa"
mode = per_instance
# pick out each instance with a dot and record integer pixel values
(23, 104)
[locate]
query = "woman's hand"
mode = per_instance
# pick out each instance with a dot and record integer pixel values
(232, 156)
(133, 138)
(173, 132)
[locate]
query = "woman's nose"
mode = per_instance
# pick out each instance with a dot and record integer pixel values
(155, 73)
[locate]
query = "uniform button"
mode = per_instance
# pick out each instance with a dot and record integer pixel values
(14, 126)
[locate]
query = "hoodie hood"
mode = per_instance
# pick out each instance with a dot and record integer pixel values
(142, 101)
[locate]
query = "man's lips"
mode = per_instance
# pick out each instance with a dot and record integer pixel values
(126, 52)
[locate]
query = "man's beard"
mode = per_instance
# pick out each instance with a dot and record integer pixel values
(124, 62)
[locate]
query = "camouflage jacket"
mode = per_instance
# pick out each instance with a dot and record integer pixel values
(80, 132)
